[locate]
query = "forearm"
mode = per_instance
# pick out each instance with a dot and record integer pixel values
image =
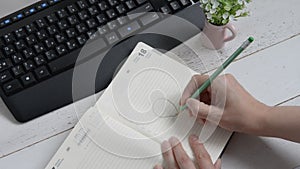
(282, 122)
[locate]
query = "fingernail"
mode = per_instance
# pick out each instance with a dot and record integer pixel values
(173, 141)
(190, 104)
(165, 146)
(194, 138)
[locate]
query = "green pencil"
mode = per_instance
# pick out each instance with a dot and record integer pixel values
(220, 69)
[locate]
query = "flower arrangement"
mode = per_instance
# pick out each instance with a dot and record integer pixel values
(220, 12)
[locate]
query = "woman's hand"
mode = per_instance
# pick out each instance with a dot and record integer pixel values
(176, 158)
(227, 103)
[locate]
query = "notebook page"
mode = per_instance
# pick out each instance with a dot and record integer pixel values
(145, 95)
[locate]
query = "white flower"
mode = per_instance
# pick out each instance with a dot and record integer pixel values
(215, 4)
(225, 15)
(231, 17)
(212, 11)
(208, 7)
(208, 15)
(204, 1)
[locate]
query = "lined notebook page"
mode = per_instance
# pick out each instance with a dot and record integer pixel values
(134, 115)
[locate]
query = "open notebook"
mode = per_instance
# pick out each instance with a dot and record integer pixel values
(134, 115)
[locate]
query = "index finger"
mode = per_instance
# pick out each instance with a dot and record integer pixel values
(193, 85)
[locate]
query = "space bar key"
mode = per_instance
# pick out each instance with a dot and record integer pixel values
(68, 61)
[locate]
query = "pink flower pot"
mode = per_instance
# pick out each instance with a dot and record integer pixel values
(215, 36)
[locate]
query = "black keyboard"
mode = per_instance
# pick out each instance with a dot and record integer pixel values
(40, 44)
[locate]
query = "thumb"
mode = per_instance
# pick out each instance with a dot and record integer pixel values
(198, 108)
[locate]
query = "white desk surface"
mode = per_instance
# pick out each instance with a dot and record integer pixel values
(268, 70)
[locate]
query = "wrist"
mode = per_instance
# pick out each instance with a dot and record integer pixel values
(261, 121)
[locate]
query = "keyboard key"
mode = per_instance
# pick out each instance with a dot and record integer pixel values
(113, 2)
(60, 38)
(82, 39)
(20, 33)
(41, 73)
(101, 18)
(140, 11)
(30, 28)
(28, 65)
(130, 4)
(175, 5)
(71, 32)
(42, 6)
(39, 60)
(28, 53)
(20, 45)
(12, 87)
(41, 35)
(149, 18)
(51, 55)
(103, 5)
(31, 40)
(52, 30)
(185, 2)
(111, 13)
(91, 23)
(17, 58)
(17, 70)
(5, 64)
(5, 77)
(81, 28)
(166, 10)
(112, 38)
(63, 25)
(72, 44)
(39, 48)
(8, 50)
(92, 34)
(62, 13)
(121, 9)
(122, 20)
(128, 29)
(73, 20)
(9, 38)
(61, 50)
(52, 18)
(82, 4)
(30, 11)
(112, 25)
(41, 23)
(28, 79)
(50, 43)
(103, 30)
(83, 15)
(72, 8)
(93, 10)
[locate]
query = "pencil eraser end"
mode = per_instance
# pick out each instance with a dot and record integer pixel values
(250, 39)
